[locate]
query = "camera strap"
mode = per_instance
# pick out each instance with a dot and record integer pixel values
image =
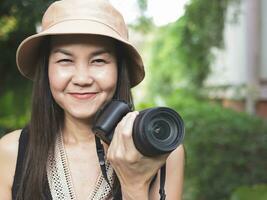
(101, 157)
(162, 182)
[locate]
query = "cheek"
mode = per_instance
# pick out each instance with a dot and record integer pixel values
(108, 78)
(58, 78)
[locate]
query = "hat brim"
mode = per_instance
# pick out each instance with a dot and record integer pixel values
(27, 51)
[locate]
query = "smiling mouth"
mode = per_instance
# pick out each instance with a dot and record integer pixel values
(85, 95)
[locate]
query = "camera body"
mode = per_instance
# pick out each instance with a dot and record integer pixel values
(155, 131)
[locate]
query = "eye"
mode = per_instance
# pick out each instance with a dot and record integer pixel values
(99, 61)
(63, 61)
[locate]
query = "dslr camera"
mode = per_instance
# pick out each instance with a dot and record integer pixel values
(155, 131)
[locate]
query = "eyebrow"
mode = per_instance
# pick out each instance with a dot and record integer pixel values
(63, 51)
(101, 51)
(95, 53)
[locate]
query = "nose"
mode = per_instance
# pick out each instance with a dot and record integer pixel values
(82, 75)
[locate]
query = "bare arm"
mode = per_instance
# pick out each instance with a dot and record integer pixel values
(8, 159)
(135, 171)
(174, 177)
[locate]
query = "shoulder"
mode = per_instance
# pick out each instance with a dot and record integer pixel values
(177, 158)
(8, 156)
(9, 144)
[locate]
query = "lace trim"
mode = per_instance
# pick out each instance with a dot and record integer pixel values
(60, 180)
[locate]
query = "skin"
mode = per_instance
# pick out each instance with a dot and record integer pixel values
(83, 76)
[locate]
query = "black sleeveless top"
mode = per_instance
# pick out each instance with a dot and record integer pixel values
(23, 141)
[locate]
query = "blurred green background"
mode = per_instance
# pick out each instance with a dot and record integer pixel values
(226, 150)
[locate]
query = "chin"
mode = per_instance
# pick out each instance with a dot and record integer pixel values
(83, 115)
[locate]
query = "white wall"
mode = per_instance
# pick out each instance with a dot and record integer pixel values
(229, 67)
(263, 71)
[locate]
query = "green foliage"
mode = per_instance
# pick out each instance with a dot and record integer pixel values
(18, 19)
(224, 149)
(142, 4)
(181, 52)
(202, 30)
(165, 63)
(15, 110)
(143, 24)
(258, 192)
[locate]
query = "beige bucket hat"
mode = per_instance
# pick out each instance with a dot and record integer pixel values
(80, 17)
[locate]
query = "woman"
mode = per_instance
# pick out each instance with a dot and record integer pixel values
(79, 61)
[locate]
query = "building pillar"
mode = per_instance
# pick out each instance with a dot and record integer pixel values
(253, 40)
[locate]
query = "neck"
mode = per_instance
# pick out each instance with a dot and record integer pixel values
(77, 130)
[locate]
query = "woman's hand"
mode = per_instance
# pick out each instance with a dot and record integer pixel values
(134, 170)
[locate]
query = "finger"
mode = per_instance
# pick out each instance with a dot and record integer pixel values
(128, 124)
(116, 143)
(125, 118)
(122, 138)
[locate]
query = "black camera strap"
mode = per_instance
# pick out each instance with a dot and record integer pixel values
(162, 182)
(101, 157)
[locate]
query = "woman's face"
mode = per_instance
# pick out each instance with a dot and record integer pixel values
(82, 73)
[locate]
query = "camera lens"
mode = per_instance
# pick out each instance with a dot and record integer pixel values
(157, 131)
(160, 129)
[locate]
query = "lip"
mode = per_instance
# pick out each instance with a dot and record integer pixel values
(83, 95)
